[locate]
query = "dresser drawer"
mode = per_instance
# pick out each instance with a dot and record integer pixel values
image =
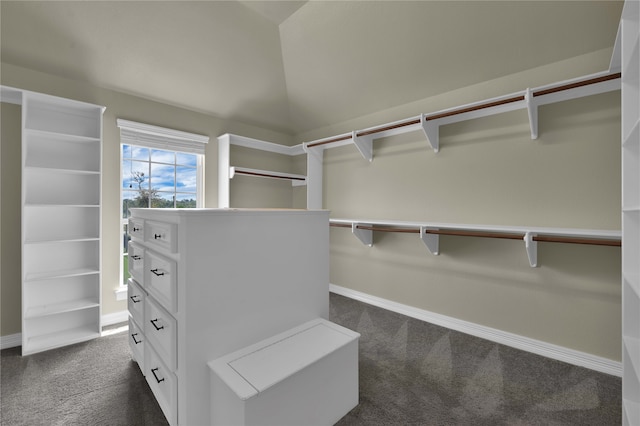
(136, 343)
(135, 301)
(136, 261)
(160, 279)
(163, 383)
(161, 332)
(162, 235)
(136, 228)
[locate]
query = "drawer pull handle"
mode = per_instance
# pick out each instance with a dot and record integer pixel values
(136, 229)
(135, 257)
(153, 321)
(157, 236)
(153, 370)
(156, 273)
(133, 336)
(134, 300)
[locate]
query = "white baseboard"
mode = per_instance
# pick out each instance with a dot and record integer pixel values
(115, 318)
(10, 341)
(560, 353)
(13, 340)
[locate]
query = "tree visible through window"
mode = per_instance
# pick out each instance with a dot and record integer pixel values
(156, 178)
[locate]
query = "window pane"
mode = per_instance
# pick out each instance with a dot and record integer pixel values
(135, 174)
(186, 179)
(150, 178)
(184, 201)
(162, 177)
(162, 200)
(131, 199)
(125, 269)
(161, 156)
(139, 153)
(184, 159)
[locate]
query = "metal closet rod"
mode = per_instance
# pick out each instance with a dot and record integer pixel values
(472, 108)
(242, 172)
(487, 234)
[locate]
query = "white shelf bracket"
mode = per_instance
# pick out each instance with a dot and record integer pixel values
(532, 110)
(431, 131)
(532, 249)
(364, 235)
(364, 145)
(432, 241)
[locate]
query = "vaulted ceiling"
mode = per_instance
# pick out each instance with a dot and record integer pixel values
(294, 66)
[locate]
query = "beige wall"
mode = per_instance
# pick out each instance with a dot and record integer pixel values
(10, 154)
(489, 171)
(118, 106)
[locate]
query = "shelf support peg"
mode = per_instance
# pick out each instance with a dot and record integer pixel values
(364, 235)
(431, 132)
(532, 110)
(432, 241)
(364, 145)
(532, 249)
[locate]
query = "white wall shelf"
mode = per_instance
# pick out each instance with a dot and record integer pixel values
(226, 172)
(430, 123)
(61, 219)
(296, 180)
(429, 233)
(69, 332)
(58, 308)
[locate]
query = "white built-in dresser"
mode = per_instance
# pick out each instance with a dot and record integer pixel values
(207, 282)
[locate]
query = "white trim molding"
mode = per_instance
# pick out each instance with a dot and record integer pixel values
(133, 133)
(549, 350)
(114, 318)
(121, 292)
(10, 341)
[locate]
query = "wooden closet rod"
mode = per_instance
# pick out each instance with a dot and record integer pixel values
(475, 108)
(578, 84)
(436, 116)
(242, 172)
(487, 234)
(383, 229)
(332, 140)
(389, 127)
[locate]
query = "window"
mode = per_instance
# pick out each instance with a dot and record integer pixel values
(160, 168)
(158, 178)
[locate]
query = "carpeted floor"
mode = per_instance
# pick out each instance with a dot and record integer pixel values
(411, 373)
(415, 373)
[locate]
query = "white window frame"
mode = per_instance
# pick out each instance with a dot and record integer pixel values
(149, 136)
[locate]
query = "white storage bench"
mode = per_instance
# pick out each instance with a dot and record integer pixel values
(307, 375)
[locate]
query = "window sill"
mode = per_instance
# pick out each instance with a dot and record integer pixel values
(121, 292)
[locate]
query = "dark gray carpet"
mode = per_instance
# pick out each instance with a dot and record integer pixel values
(415, 373)
(411, 373)
(91, 383)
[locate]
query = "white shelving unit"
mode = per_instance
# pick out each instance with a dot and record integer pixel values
(226, 171)
(529, 99)
(429, 233)
(61, 219)
(630, 38)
